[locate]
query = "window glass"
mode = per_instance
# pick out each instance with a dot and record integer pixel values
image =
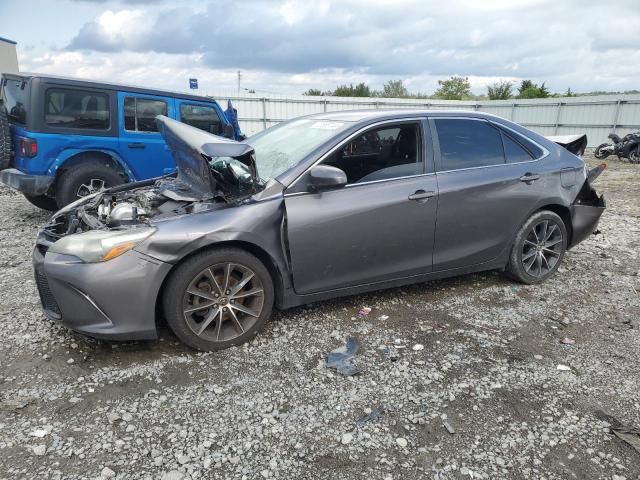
(76, 109)
(202, 117)
(468, 143)
(380, 153)
(514, 151)
(14, 95)
(140, 113)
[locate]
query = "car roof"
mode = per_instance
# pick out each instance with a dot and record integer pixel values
(79, 82)
(390, 114)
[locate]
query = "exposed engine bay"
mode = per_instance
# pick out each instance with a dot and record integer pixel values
(212, 172)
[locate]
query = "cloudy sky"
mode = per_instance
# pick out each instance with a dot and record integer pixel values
(290, 46)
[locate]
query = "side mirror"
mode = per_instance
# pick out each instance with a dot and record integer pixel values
(324, 177)
(229, 132)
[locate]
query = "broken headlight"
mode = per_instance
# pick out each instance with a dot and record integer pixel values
(100, 245)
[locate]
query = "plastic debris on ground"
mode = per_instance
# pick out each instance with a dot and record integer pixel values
(383, 317)
(449, 428)
(364, 311)
(342, 358)
(374, 415)
(568, 341)
(563, 368)
(417, 347)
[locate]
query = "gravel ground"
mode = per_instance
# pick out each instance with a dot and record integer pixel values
(483, 398)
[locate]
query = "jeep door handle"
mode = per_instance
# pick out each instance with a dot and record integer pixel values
(529, 178)
(136, 145)
(421, 195)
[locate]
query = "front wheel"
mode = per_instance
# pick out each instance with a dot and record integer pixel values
(538, 248)
(600, 153)
(634, 155)
(218, 298)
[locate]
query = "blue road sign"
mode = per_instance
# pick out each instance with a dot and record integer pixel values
(193, 83)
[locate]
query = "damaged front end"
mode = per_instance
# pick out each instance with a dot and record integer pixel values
(587, 207)
(212, 173)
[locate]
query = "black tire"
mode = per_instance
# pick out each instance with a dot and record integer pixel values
(42, 201)
(5, 138)
(180, 306)
(75, 181)
(634, 155)
(599, 154)
(522, 267)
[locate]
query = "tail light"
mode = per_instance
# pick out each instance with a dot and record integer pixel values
(28, 147)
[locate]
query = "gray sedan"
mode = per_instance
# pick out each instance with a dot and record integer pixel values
(314, 208)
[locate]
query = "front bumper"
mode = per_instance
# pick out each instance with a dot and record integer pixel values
(25, 183)
(111, 300)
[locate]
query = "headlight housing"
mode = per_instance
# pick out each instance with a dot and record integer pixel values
(101, 245)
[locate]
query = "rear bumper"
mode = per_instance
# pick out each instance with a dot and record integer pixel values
(585, 218)
(25, 183)
(113, 300)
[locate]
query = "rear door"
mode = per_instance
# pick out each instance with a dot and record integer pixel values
(379, 227)
(141, 145)
(483, 198)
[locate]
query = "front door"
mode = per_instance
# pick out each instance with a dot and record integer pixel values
(140, 142)
(379, 227)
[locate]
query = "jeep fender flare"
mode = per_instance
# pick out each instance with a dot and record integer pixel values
(67, 154)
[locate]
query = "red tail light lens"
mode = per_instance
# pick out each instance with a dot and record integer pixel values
(28, 147)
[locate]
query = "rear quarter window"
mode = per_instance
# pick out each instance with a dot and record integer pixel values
(514, 152)
(70, 108)
(15, 94)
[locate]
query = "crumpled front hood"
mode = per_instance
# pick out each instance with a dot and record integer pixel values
(191, 149)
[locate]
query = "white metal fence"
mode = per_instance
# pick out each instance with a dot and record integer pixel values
(597, 116)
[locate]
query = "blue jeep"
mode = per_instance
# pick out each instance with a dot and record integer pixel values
(62, 138)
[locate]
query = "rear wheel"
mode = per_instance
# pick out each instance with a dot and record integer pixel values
(538, 248)
(634, 155)
(42, 201)
(599, 153)
(218, 298)
(84, 179)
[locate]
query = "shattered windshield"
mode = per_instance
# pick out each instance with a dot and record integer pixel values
(279, 148)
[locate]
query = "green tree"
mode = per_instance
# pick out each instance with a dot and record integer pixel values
(569, 93)
(528, 89)
(313, 92)
(455, 88)
(499, 90)
(394, 89)
(359, 90)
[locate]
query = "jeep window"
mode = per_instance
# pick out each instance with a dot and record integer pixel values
(202, 117)
(76, 109)
(15, 99)
(140, 114)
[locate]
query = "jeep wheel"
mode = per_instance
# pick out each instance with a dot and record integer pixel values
(42, 201)
(5, 138)
(85, 179)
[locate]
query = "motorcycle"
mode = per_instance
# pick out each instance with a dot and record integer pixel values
(625, 147)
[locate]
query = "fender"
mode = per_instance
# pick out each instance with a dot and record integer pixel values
(67, 153)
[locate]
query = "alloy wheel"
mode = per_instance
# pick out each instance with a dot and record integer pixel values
(223, 301)
(542, 248)
(92, 186)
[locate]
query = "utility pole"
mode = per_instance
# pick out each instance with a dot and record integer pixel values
(239, 77)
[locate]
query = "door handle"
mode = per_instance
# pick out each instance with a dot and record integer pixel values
(529, 178)
(421, 195)
(136, 145)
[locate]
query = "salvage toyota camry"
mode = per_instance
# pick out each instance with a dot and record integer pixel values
(311, 209)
